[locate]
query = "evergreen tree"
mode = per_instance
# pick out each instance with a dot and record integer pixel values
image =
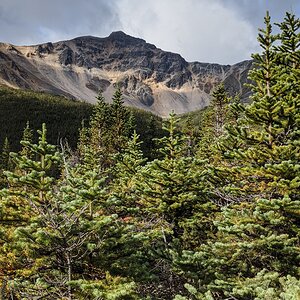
(5, 162)
(128, 164)
(27, 138)
(122, 121)
(219, 104)
(110, 128)
(259, 233)
(100, 125)
(29, 187)
(69, 241)
(191, 131)
(174, 202)
(213, 123)
(289, 46)
(39, 171)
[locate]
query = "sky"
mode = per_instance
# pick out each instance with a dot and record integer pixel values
(216, 31)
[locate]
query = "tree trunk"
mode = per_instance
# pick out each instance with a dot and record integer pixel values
(3, 289)
(68, 256)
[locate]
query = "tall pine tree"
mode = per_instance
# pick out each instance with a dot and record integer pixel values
(258, 240)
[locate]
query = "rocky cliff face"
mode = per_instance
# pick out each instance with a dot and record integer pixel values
(150, 78)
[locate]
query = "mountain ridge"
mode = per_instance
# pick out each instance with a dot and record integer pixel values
(150, 78)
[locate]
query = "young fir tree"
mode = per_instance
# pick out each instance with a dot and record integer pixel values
(14, 212)
(123, 199)
(174, 203)
(128, 164)
(8, 218)
(110, 127)
(219, 103)
(122, 122)
(258, 241)
(100, 126)
(5, 159)
(5, 162)
(81, 236)
(39, 170)
(192, 132)
(69, 241)
(213, 122)
(29, 185)
(94, 140)
(113, 241)
(27, 138)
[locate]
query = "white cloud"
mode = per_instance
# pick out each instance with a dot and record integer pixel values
(222, 31)
(198, 30)
(38, 21)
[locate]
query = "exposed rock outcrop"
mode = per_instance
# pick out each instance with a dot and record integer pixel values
(150, 78)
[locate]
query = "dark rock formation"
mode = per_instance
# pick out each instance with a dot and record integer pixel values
(149, 77)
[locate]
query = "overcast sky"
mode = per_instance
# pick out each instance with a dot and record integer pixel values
(222, 31)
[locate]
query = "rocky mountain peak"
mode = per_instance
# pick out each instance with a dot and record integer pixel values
(150, 78)
(120, 36)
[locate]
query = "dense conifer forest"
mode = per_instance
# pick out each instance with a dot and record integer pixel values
(64, 118)
(207, 207)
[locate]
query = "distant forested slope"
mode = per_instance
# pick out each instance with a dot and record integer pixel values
(63, 117)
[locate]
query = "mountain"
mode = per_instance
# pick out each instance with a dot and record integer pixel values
(150, 78)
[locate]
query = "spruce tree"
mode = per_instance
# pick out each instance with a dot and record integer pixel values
(174, 202)
(27, 138)
(213, 122)
(111, 126)
(125, 170)
(39, 171)
(219, 103)
(258, 236)
(122, 121)
(29, 187)
(68, 241)
(100, 124)
(5, 162)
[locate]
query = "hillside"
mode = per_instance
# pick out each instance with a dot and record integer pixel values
(150, 78)
(63, 117)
